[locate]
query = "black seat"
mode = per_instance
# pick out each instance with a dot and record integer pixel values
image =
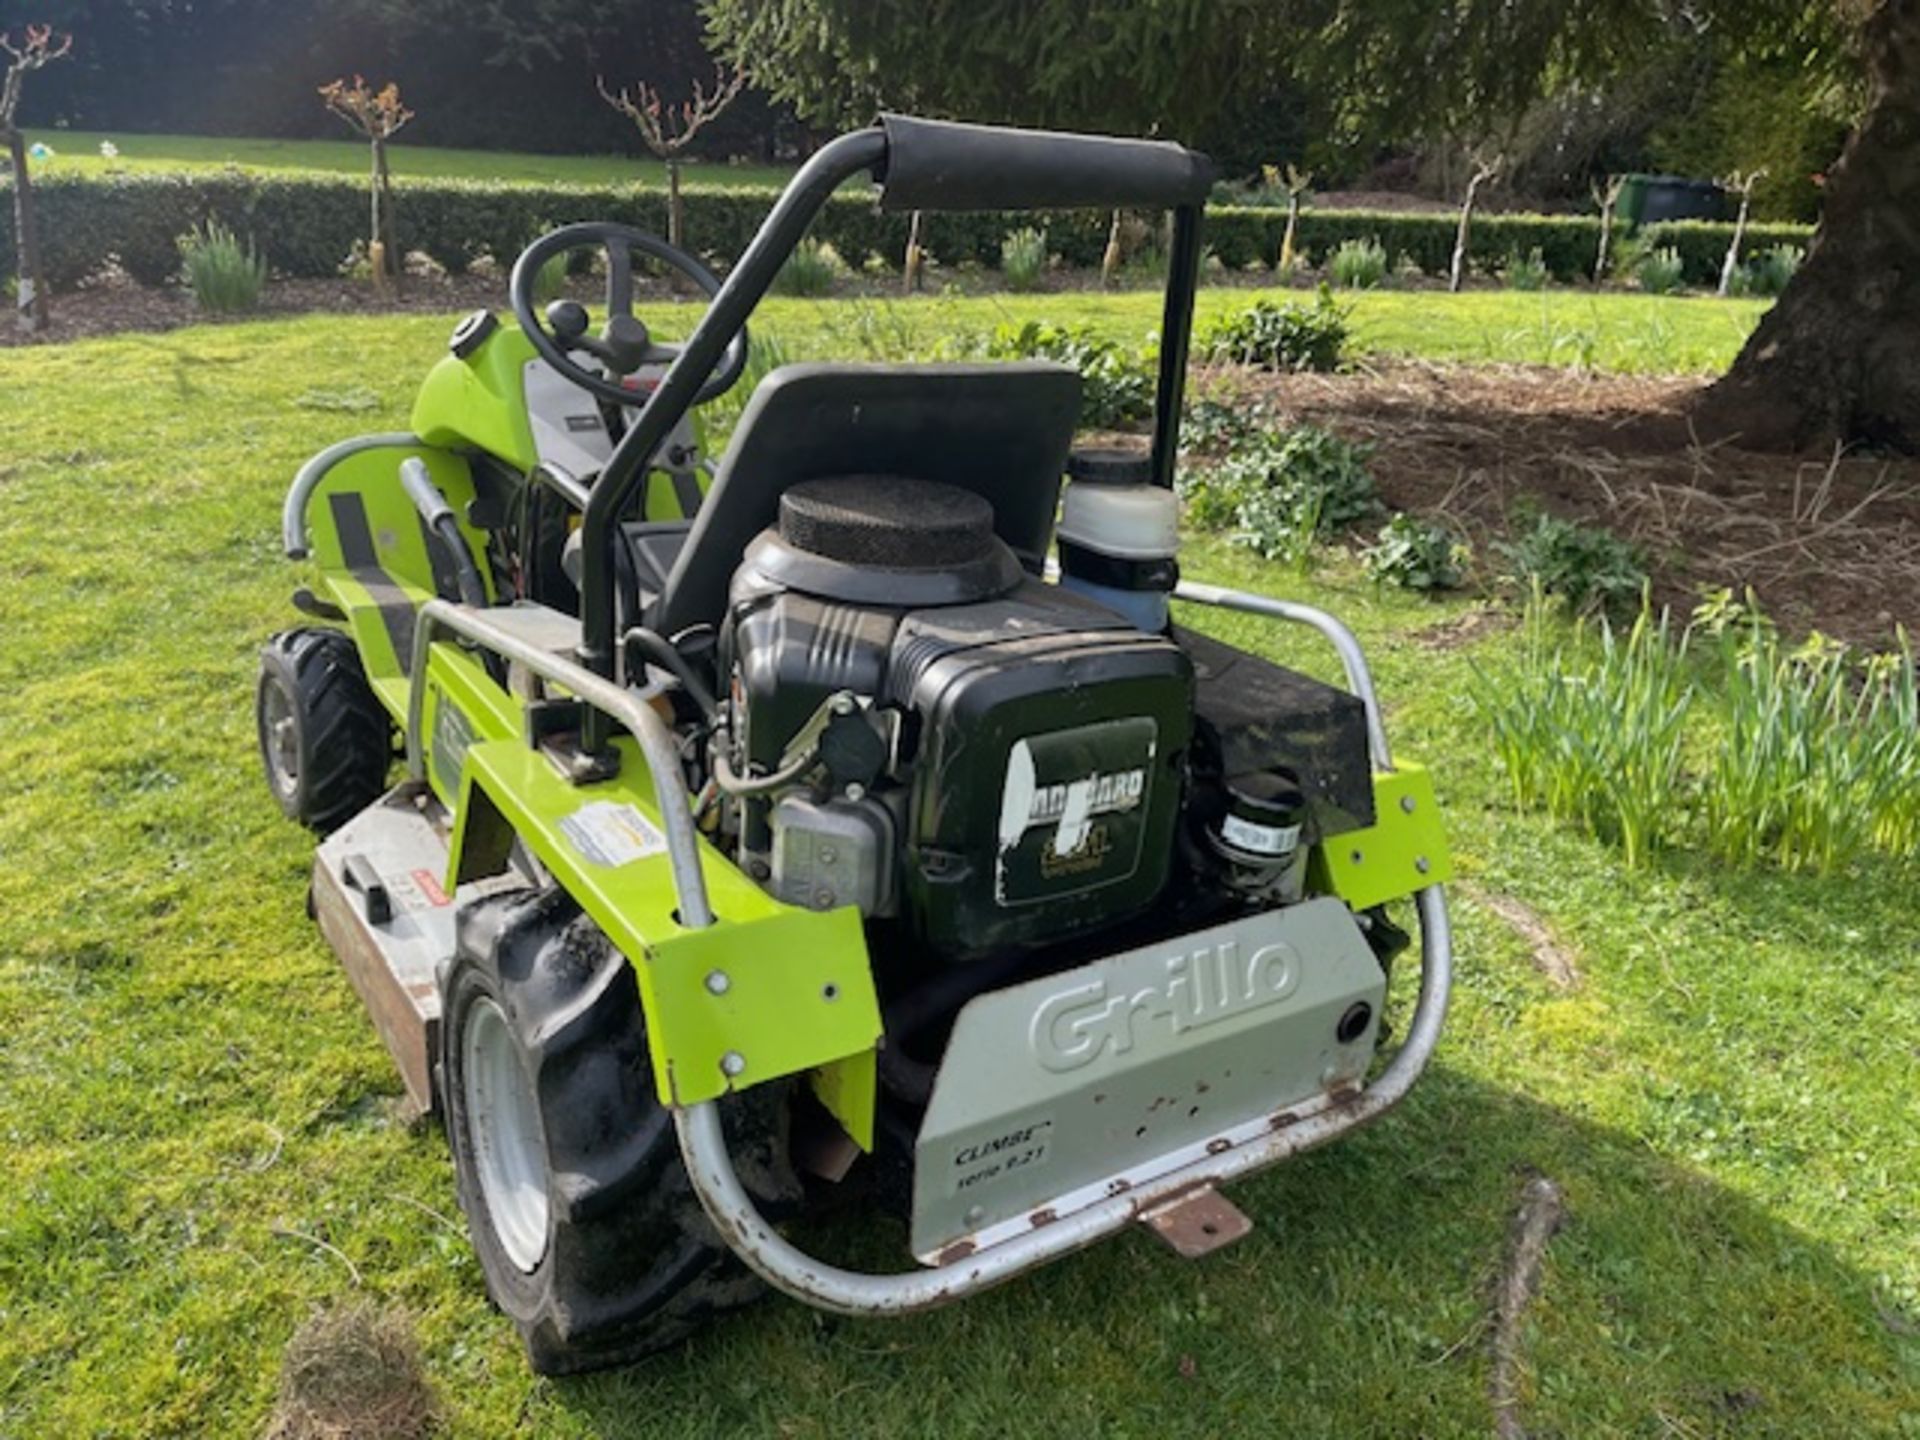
(1001, 431)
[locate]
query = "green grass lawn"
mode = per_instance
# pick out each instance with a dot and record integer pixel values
(1628, 333)
(78, 151)
(188, 1086)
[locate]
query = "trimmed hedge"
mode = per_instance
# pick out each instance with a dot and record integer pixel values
(306, 226)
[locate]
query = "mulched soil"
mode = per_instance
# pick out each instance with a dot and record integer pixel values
(112, 307)
(1828, 542)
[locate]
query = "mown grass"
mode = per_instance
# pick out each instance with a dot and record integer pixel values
(1631, 334)
(79, 151)
(190, 1096)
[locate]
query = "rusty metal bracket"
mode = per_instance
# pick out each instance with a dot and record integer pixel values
(1198, 1223)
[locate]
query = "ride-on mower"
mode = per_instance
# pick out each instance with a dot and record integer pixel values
(803, 826)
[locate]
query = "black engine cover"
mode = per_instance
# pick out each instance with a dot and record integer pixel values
(1043, 749)
(1047, 779)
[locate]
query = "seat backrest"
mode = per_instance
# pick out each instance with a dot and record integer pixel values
(1001, 431)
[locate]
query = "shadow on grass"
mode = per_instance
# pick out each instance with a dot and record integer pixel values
(1670, 1304)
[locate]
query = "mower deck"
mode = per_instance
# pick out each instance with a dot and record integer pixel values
(378, 898)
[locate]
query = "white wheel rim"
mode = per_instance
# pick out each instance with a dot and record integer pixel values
(280, 732)
(503, 1128)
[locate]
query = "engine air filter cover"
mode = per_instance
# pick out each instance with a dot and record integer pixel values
(887, 520)
(885, 540)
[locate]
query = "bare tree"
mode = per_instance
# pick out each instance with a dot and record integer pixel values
(378, 115)
(915, 260)
(40, 47)
(1485, 168)
(1110, 257)
(666, 129)
(1298, 183)
(1741, 185)
(1607, 197)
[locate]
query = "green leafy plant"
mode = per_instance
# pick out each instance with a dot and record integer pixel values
(1588, 568)
(1591, 727)
(1416, 554)
(1359, 264)
(1213, 426)
(1117, 384)
(1525, 272)
(1661, 271)
(1023, 259)
(811, 269)
(1816, 757)
(225, 274)
(1282, 490)
(1806, 756)
(1769, 272)
(1286, 336)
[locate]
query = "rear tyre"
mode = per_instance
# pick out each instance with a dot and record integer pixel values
(325, 739)
(567, 1165)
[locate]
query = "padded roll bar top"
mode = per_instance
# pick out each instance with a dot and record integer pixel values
(946, 165)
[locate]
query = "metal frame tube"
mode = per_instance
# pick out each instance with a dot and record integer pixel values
(655, 740)
(1359, 677)
(293, 511)
(745, 285)
(1176, 337)
(1251, 1146)
(783, 1265)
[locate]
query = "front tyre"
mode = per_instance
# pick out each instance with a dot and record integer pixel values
(325, 739)
(566, 1162)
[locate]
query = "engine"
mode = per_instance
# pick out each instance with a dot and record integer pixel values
(919, 727)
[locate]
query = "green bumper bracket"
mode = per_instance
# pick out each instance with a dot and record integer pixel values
(1403, 851)
(767, 990)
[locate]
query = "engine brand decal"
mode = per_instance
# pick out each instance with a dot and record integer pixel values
(1072, 809)
(608, 833)
(452, 734)
(1075, 1026)
(994, 1157)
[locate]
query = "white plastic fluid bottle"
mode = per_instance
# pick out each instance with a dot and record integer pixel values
(1119, 535)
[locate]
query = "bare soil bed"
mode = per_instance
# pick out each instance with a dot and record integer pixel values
(1828, 542)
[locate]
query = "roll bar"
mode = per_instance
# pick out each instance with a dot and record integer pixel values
(945, 165)
(920, 164)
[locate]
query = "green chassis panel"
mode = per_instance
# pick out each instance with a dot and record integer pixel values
(383, 584)
(480, 403)
(797, 994)
(1405, 849)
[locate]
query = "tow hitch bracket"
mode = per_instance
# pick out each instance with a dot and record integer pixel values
(1198, 1223)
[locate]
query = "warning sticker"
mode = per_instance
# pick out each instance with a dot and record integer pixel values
(611, 834)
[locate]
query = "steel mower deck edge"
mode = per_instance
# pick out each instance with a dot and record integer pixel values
(845, 815)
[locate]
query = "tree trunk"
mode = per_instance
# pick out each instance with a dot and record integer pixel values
(1288, 255)
(1733, 247)
(1839, 356)
(910, 269)
(1611, 199)
(1110, 258)
(1458, 274)
(383, 229)
(33, 312)
(676, 211)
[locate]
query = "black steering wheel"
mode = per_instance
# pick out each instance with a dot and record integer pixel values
(624, 343)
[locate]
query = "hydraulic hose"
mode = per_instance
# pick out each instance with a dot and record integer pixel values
(445, 527)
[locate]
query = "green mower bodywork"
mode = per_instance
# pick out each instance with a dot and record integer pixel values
(541, 760)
